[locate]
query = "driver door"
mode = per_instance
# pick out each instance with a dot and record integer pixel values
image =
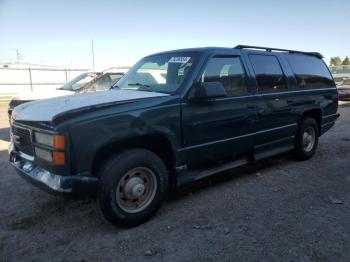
(219, 129)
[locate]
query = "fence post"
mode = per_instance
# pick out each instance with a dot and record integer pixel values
(30, 79)
(65, 70)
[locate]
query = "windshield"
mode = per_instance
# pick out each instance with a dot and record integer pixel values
(79, 81)
(159, 73)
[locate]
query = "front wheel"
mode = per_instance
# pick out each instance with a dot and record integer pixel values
(132, 187)
(306, 139)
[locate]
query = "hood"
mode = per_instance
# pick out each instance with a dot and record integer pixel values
(47, 109)
(36, 95)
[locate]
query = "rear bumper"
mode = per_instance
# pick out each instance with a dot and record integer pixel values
(50, 182)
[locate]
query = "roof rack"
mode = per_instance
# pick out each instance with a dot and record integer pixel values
(269, 49)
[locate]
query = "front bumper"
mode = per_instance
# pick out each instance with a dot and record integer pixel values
(50, 182)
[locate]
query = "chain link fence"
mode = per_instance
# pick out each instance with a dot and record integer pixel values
(16, 80)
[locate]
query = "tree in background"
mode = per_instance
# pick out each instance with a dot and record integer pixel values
(335, 61)
(346, 61)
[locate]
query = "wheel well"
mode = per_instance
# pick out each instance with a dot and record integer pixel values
(315, 114)
(158, 144)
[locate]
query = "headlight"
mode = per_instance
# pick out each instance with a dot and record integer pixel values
(54, 141)
(54, 157)
(43, 154)
(54, 153)
(43, 139)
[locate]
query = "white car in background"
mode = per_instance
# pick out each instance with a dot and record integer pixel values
(344, 90)
(86, 82)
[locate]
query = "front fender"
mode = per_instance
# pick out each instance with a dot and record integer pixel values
(89, 137)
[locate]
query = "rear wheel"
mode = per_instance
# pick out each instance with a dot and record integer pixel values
(306, 139)
(132, 187)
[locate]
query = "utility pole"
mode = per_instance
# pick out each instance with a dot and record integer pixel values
(93, 55)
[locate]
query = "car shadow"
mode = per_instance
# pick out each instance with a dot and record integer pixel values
(81, 207)
(255, 168)
(4, 155)
(5, 134)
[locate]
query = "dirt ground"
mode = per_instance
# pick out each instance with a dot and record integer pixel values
(277, 210)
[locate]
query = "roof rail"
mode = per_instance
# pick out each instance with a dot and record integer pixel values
(270, 49)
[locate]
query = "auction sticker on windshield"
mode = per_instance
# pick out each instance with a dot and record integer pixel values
(179, 59)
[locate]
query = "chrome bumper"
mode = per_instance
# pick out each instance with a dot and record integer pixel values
(48, 181)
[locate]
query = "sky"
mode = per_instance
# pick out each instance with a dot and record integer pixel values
(60, 32)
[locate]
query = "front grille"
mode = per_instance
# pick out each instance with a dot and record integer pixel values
(22, 140)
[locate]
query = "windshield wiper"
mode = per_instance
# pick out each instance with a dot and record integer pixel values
(138, 84)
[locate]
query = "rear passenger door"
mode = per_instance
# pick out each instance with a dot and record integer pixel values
(218, 129)
(274, 102)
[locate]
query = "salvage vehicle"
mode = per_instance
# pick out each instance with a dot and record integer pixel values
(86, 82)
(344, 90)
(218, 108)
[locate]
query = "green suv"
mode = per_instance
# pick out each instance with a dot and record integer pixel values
(175, 117)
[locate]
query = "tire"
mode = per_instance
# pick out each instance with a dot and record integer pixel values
(132, 187)
(306, 139)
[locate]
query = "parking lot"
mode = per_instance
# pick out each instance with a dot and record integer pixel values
(277, 210)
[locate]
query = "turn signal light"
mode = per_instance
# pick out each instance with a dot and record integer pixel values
(58, 142)
(58, 158)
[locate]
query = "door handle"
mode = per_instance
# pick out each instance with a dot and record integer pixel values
(289, 101)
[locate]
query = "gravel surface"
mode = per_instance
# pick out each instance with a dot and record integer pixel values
(276, 210)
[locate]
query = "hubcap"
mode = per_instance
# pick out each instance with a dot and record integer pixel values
(136, 189)
(309, 139)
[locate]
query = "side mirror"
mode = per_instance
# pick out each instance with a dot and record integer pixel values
(207, 90)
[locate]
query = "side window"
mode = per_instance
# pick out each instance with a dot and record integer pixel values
(229, 72)
(268, 72)
(310, 72)
(103, 83)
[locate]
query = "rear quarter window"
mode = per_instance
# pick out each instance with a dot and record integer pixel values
(310, 72)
